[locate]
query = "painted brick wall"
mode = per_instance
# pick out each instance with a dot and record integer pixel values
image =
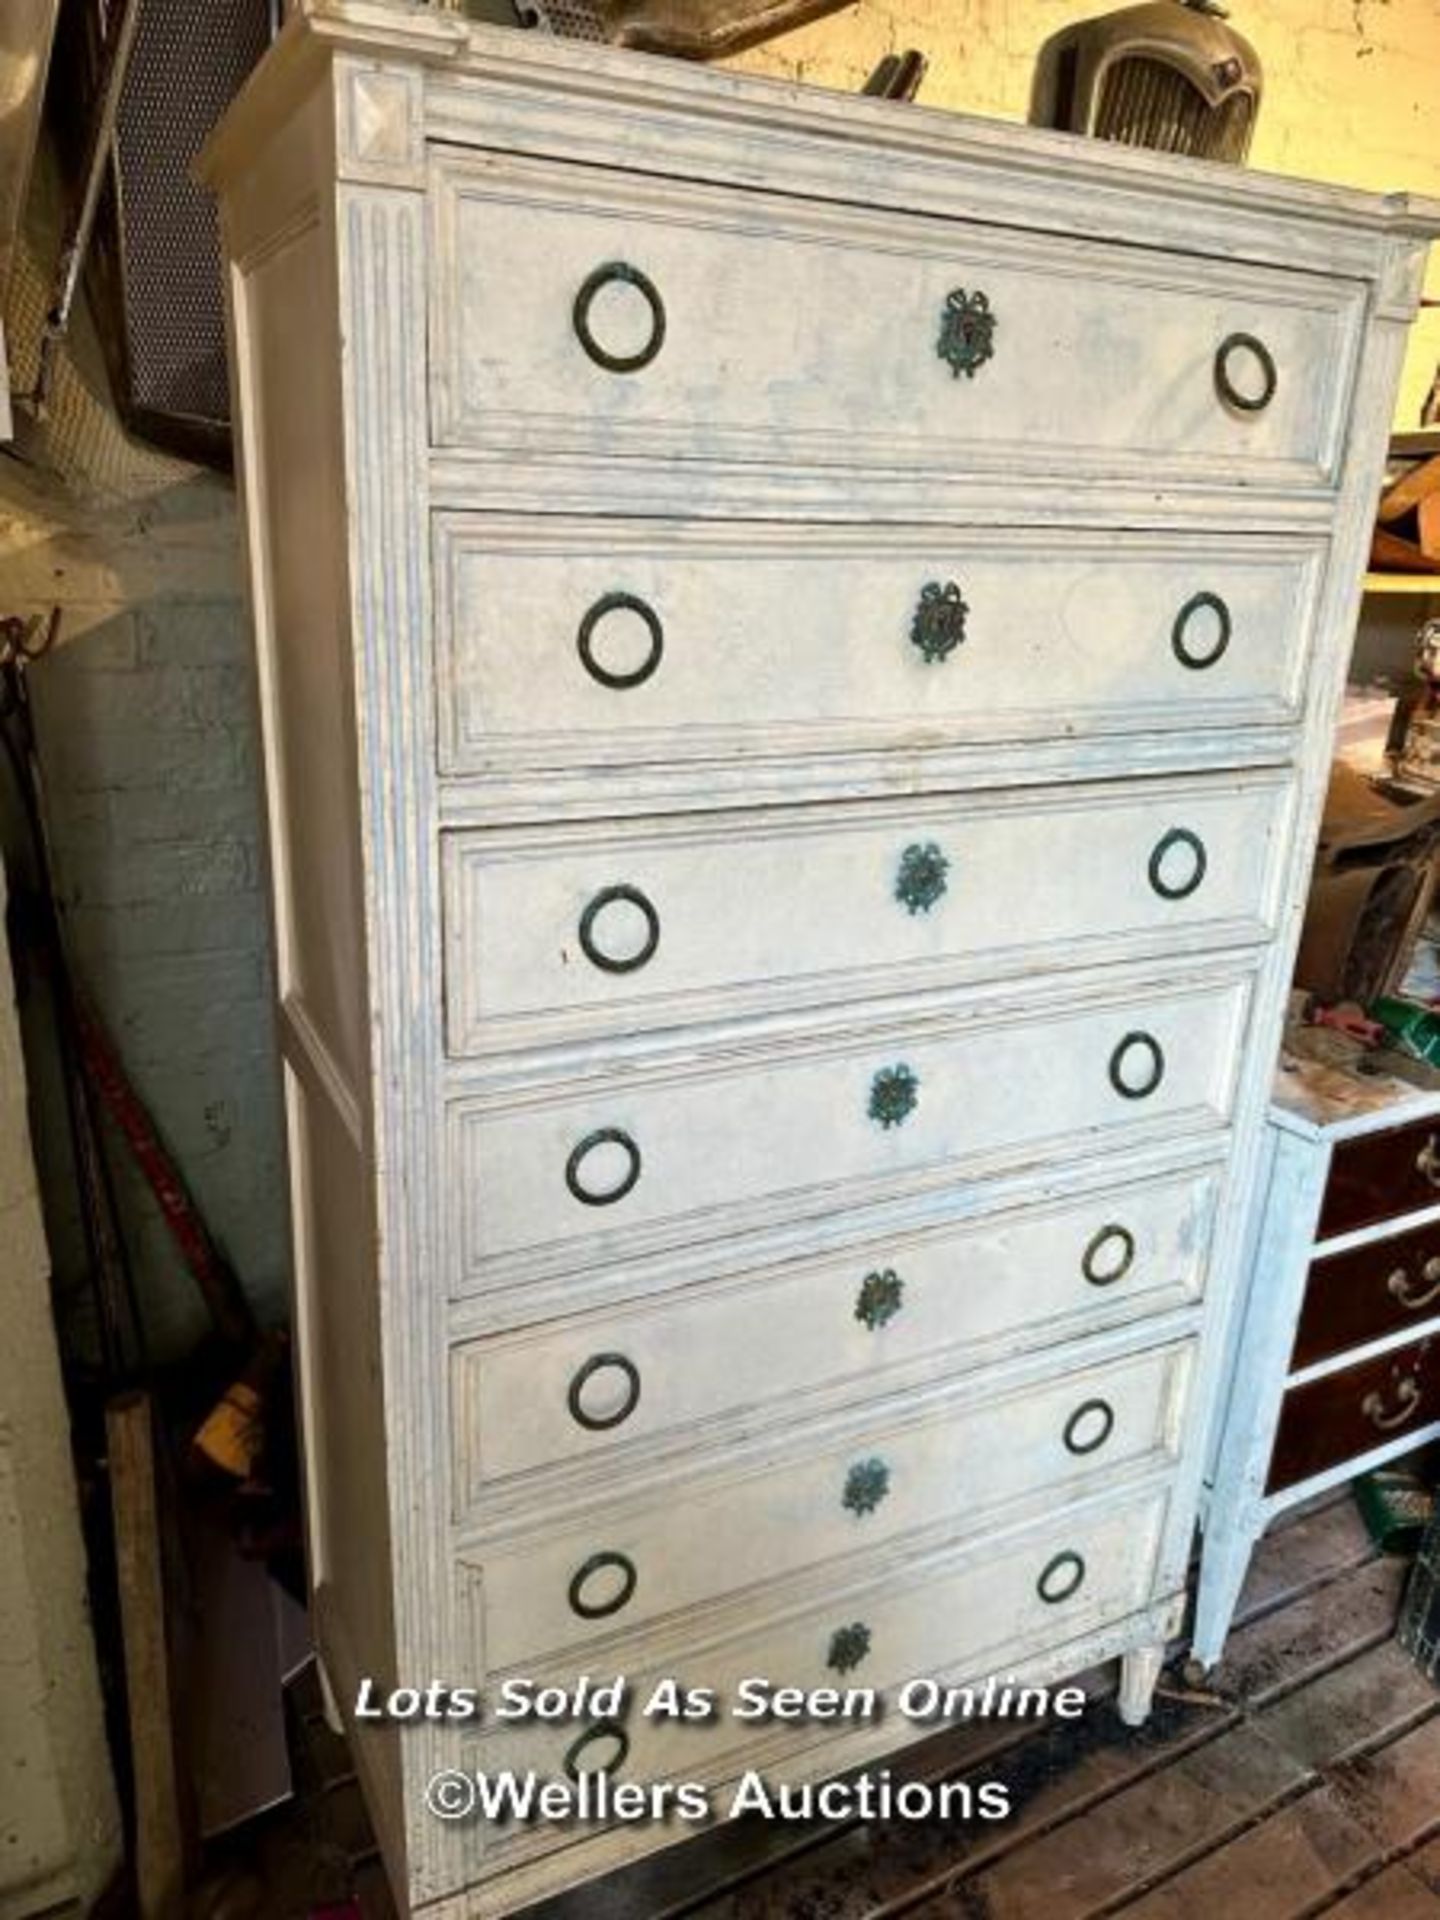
(150, 750)
(148, 738)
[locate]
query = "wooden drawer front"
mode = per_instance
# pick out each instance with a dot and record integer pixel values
(1033, 1277)
(661, 922)
(1358, 1296)
(1347, 1414)
(763, 640)
(955, 1616)
(779, 1127)
(791, 333)
(1382, 1176)
(950, 1462)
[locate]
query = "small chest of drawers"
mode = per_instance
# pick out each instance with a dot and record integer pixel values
(1337, 1357)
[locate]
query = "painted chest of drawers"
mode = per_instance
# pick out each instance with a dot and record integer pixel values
(796, 642)
(1337, 1341)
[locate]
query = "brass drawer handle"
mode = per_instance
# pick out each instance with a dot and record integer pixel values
(585, 640)
(623, 963)
(1398, 1285)
(1102, 1269)
(921, 879)
(619, 273)
(1166, 845)
(1060, 1577)
(610, 1730)
(1427, 1161)
(602, 1137)
(938, 624)
(1229, 392)
(881, 1296)
(1193, 657)
(848, 1647)
(598, 1563)
(967, 332)
(866, 1485)
(1131, 1045)
(1372, 1406)
(1096, 1415)
(893, 1094)
(603, 1363)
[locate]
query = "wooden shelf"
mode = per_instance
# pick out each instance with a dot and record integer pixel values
(1413, 583)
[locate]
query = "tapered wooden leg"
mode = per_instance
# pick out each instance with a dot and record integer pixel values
(1224, 1563)
(1138, 1673)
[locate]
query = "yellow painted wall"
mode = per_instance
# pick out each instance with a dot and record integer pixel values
(1352, 88)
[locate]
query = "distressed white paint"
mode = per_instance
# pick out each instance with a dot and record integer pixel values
(808, 331)
(780, 1127)
(968, 1296)
(410, 203)
(943, 1612)
(785, 640)
(700, 1537)
(762, 911)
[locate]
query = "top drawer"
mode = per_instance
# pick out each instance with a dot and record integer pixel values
(579, 310)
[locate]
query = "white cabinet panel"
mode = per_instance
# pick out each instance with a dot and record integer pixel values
(950, 1296)
(583, 1174)
(632, 315)
(905, 1467)
(761, 640)
(646, 925)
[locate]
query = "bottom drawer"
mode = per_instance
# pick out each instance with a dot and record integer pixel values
(1348, 1414)
(957, 1616)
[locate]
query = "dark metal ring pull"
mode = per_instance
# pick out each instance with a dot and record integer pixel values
(1179, 646)
(1178, 837)
(609, 897)
(1084, 1415)
(602, 1137)
(1106, 1276)
(619, 272)
(1060, 1577)
(585, 640)
(602, 1563)
(1229, 392)
(598, 1422)
(597, 1730)
(1137, 1090)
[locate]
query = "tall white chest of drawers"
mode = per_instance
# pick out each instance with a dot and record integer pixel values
(797, 639)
